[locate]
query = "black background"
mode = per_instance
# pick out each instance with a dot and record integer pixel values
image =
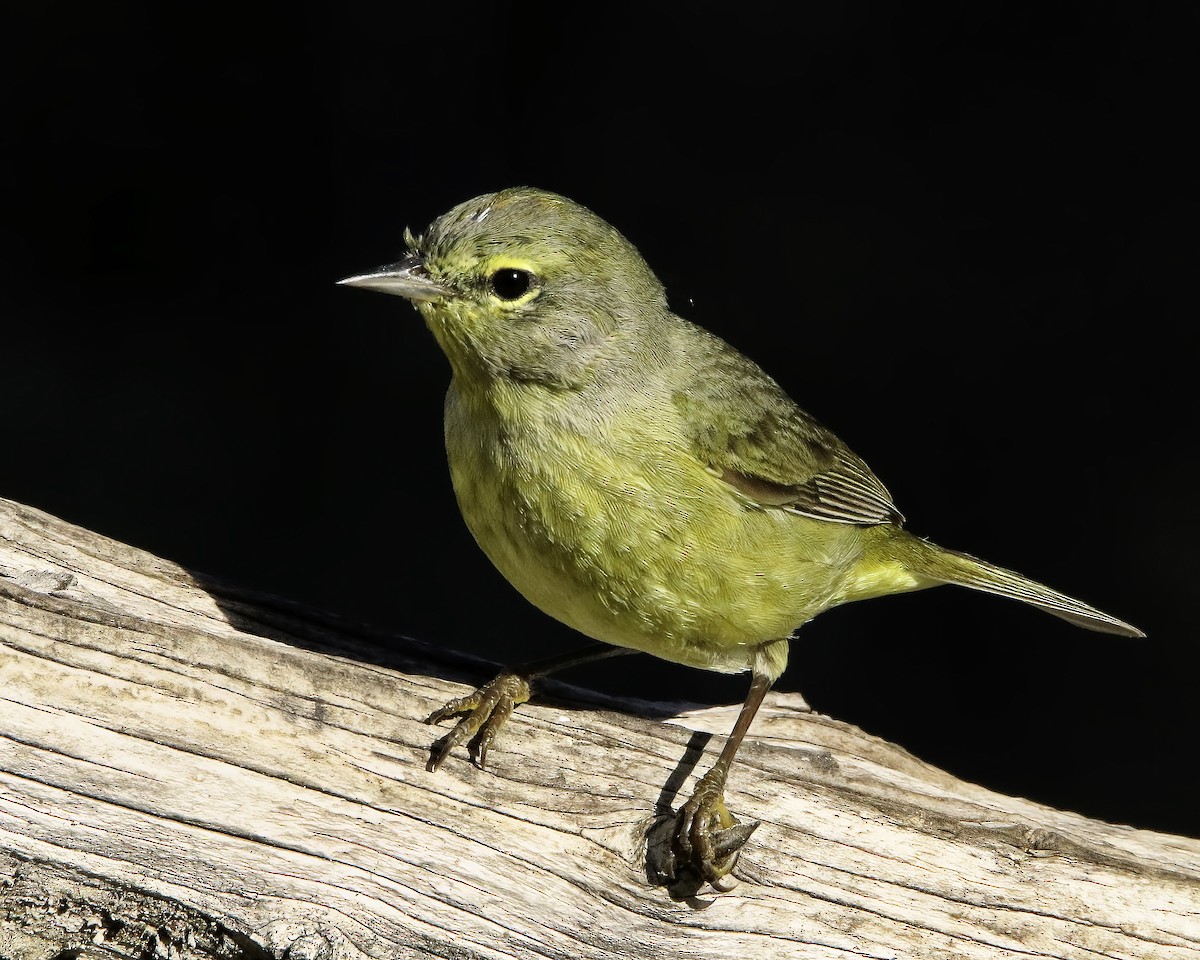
(965, 240)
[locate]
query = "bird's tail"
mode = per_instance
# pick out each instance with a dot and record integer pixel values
(949, 566)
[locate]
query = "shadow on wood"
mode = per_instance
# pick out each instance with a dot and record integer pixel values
(189, 770)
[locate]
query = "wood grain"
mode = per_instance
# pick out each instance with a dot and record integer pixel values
(191, 770)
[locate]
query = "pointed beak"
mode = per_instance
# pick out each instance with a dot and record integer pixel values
(406, 279)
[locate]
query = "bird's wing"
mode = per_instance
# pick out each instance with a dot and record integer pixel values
(748, 432)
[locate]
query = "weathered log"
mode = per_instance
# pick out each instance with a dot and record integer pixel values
(189, 770)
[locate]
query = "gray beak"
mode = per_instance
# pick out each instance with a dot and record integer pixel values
(406, 279)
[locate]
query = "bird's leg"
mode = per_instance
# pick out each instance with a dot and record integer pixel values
(708, 838)
(483, 712)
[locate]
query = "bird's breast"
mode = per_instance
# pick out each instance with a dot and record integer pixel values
(603, 519)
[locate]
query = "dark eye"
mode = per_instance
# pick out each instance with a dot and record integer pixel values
(510, 283)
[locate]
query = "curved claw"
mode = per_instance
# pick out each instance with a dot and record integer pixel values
(728, 842)
(483, 714)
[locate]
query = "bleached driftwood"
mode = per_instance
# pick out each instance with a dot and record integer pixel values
(190, 771)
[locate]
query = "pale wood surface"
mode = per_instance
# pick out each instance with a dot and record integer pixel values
(187, 771)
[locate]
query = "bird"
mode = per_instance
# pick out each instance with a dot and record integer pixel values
(642, 481)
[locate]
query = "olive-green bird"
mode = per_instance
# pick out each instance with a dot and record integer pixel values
(640, 480)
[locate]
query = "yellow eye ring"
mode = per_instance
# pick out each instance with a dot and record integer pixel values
(510, 283)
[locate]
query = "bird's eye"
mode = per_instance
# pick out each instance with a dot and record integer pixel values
(510, 283)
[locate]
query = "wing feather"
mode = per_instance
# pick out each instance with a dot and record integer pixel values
(748, 432)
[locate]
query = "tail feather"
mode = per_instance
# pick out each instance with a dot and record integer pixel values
(950, 566)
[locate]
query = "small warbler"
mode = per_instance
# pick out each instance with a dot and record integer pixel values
(640, 480)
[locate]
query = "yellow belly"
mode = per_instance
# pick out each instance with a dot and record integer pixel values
(632, 542)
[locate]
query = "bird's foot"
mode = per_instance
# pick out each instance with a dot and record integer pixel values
(483, 714)
(708, 838)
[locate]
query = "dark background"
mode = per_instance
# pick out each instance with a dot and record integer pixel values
(965, 240)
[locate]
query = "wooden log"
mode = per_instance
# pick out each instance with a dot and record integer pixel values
(189, 770)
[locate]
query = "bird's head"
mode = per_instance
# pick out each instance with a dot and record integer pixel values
(522, 284)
